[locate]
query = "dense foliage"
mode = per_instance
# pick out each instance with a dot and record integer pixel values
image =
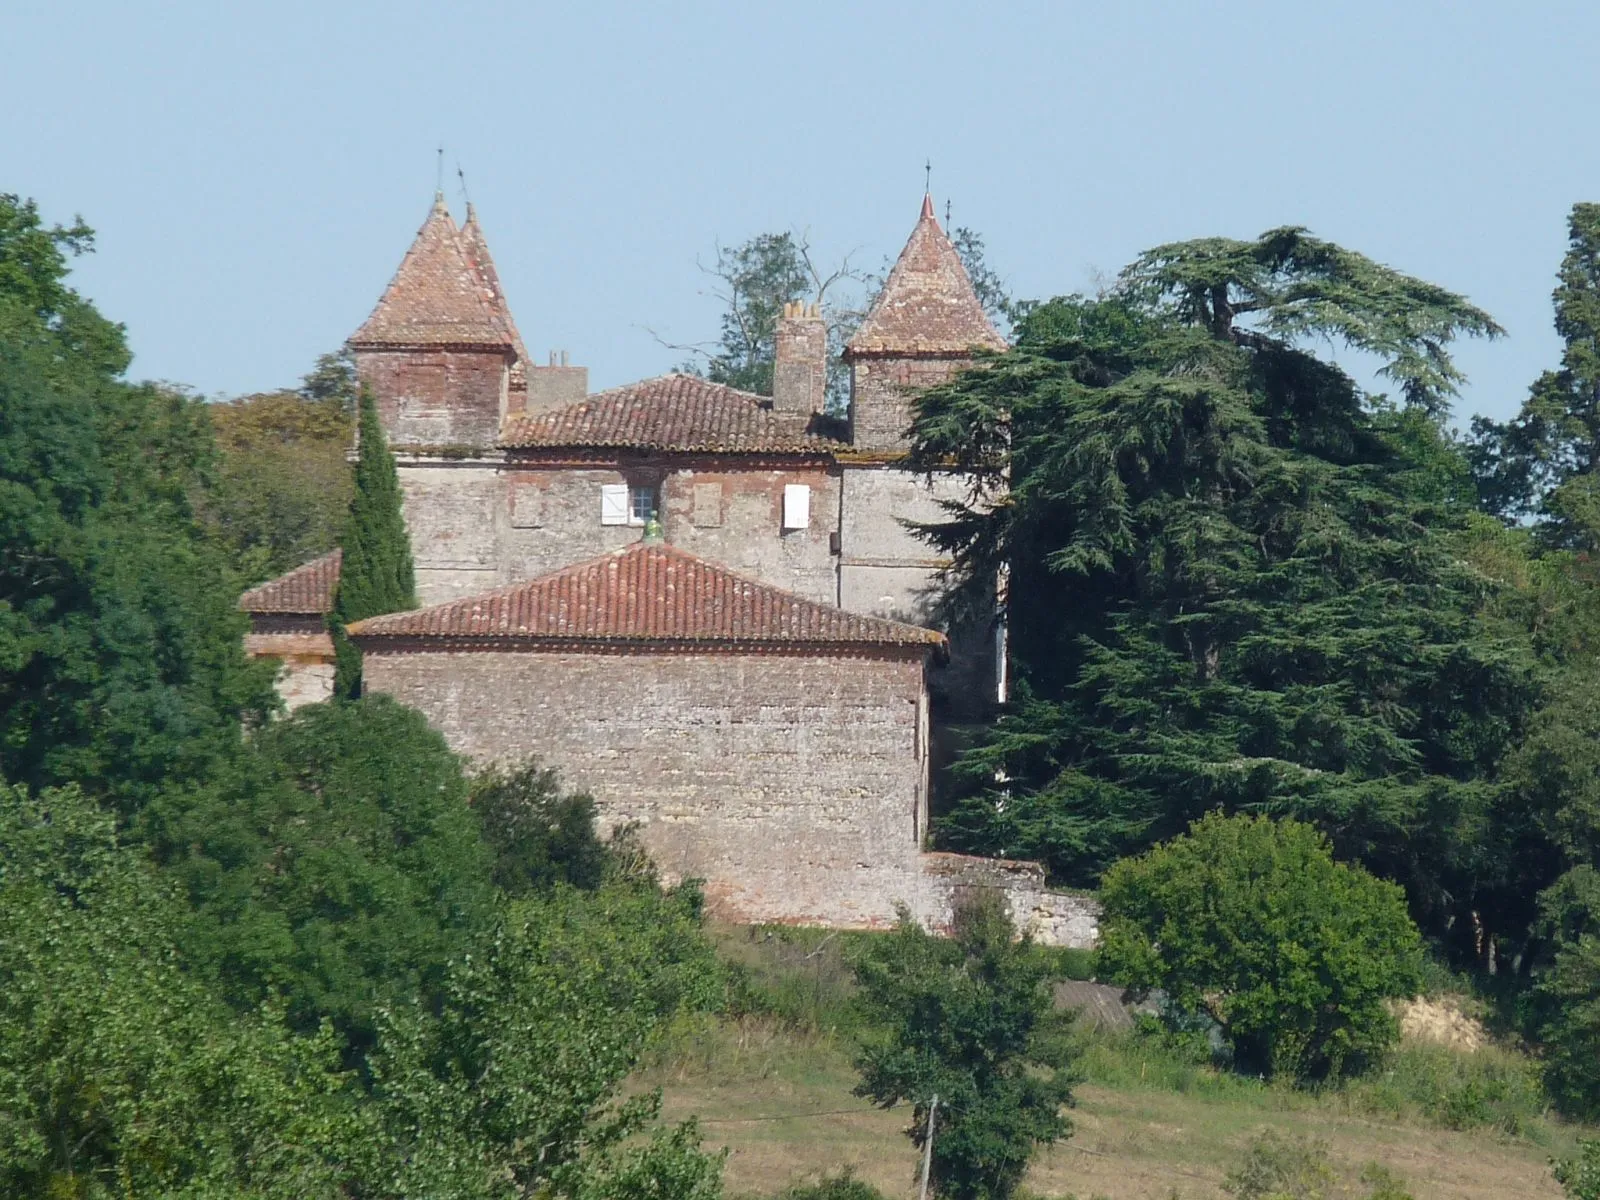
(376, 576)
(337, 865)
(1580, 1176)
(1251, 921)
(539, 834)
(283, 488)
(120, 1074)
(1235, 581)
(970, 1019)
(121, 665)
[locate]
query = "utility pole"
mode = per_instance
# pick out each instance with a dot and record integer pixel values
(927, 1148)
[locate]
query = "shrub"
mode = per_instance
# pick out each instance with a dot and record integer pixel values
(1581, 1176)
(843, 1186)
(1252, 921)
(970, 1019)
(1281, 1168)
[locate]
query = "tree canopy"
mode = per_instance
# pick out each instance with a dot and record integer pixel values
(1231, 575)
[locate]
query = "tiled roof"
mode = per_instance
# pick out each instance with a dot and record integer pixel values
(437, 297)
(308, 588)
(672, 412)
(645, 593)
(477, 251)
(927, 306)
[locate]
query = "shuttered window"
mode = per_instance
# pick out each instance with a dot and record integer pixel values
(613, 504)
(796, 506)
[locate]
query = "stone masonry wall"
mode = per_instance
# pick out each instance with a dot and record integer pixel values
(793, 785)
(303, 649)
(453, 511)
(886, 570)
(437, 398)
(881, 390)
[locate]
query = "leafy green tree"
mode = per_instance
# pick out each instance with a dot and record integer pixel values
(1252, 921)
(120, 1075)
(1568, 994)
(338, 864)
(539, 835)
(1542, 462)
(121, 659)
(376, 575)
(969, 1018)
(512, 1090)
(282, 488)
(1232, 575)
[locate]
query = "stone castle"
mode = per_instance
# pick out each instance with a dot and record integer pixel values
(705, 607)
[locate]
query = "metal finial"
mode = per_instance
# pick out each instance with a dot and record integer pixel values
(947, 214)
(438, 176)
(927, 176)
(462, 176)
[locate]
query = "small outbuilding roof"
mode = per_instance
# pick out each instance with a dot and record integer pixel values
(306, 590)
(680, 413)
(646, 593)
(927, 305)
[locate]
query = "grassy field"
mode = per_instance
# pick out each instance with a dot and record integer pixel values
(775, 1089)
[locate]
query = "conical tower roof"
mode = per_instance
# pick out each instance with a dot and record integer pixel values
(437, 297)
(477, 251)
(928, 305)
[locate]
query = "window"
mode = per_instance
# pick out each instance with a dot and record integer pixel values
(642, 504)
(627, 504)
(796, 506)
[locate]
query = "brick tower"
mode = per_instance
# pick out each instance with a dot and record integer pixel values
(922, 329)
(438, 349)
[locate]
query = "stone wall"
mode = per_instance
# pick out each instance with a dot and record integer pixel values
(438, 398)
(881, 390)
(794, 785)
(454, 512)
(1053, 918)
(477, 524)
(887, 570)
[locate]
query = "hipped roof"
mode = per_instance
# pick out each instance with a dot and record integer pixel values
(646, 593)
(307, 590)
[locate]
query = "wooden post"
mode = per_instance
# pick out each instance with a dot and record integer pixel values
(927, 1148)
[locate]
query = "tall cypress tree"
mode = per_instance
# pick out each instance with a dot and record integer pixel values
(376, 576)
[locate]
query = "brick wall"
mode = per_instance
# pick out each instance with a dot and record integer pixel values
(453, 511)
(793, 785)
(438, 397)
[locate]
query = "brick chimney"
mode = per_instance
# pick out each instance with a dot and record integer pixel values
(800, 370)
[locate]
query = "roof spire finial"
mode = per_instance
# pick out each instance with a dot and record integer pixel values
(438, 178)
(465, 195)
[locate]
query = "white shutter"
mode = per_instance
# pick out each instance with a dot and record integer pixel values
(796, 506)
(613, 504)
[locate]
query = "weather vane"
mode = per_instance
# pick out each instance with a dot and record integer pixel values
(462, 176)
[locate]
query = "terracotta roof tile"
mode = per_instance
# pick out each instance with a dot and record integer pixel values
(927, 306)
(437, 297)
(308, 588)
(645, 593)
(673, 412)
(477, 251)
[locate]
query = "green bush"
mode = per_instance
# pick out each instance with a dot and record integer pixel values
(1281, 1168)
(1581, 1176)
(843, 1186)
(1253, 922)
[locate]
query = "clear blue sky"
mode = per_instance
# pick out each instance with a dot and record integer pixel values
(255, 171)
